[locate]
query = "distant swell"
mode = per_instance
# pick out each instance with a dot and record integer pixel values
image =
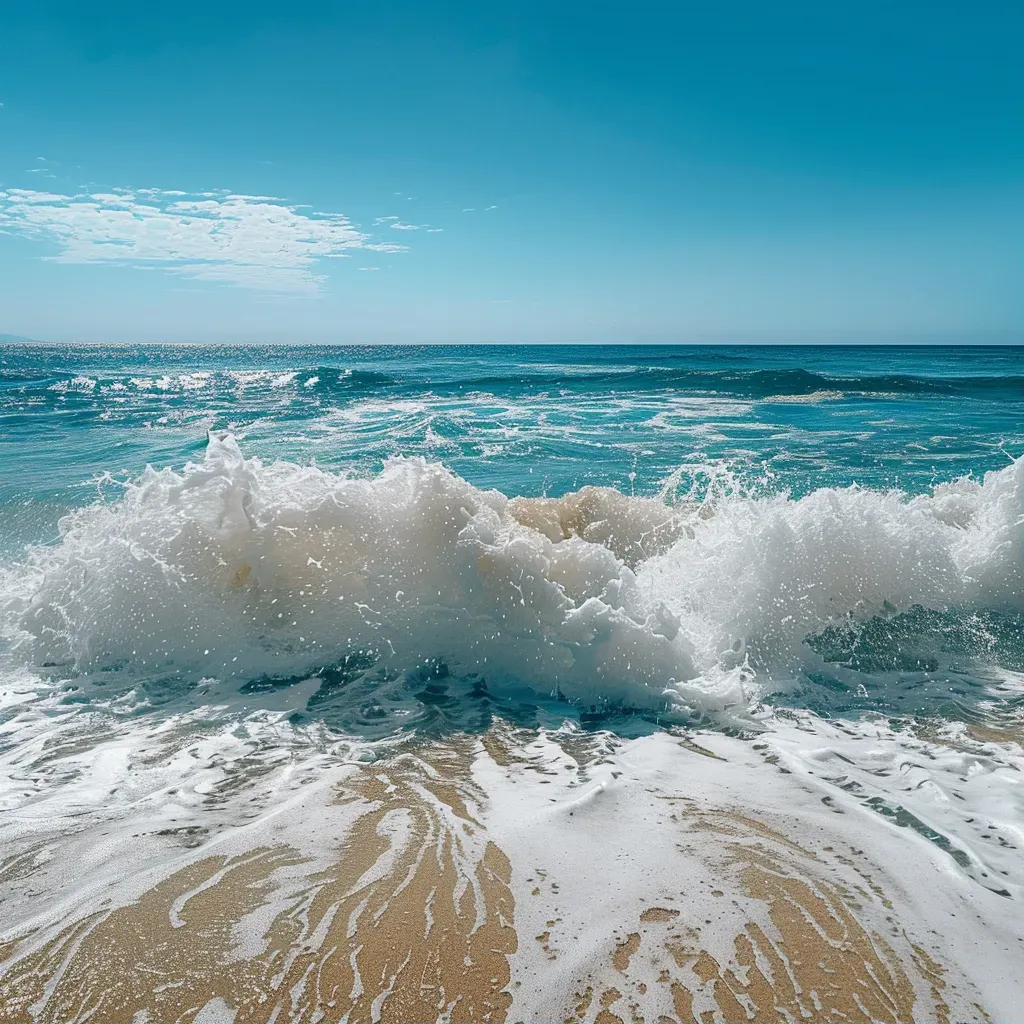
(743, 383)
(759, 383)
(352, 380)
(339, 383)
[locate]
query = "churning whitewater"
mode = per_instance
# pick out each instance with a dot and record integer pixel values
(232, 567)
(690, 681)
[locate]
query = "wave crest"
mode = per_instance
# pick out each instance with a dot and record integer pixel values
(236, 567)
(233, 567)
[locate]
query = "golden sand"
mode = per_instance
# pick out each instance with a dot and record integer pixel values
(415, 921)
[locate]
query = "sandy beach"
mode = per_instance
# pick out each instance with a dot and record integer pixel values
(510, 876)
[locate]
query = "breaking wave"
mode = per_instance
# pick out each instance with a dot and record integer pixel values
(332, 381)
(236, 568)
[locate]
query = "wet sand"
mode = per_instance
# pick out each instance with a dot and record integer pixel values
(515, 876)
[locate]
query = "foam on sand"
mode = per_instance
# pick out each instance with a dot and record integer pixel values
(644, 878)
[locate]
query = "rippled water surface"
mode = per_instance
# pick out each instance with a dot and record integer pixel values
(531, 420)
(746, 621)
(691, 427)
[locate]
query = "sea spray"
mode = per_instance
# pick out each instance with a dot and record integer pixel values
(236, 568)
(239, 568)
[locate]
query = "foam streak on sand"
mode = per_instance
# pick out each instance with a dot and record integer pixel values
(637, 879)
(668, 894)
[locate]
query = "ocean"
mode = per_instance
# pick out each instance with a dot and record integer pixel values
(321, 666)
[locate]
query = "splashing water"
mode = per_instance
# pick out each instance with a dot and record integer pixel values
(233, 580)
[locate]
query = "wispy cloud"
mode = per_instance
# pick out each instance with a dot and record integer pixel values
(393, 221)
(252, 241)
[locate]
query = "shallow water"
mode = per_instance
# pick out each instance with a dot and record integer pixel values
(342, 557)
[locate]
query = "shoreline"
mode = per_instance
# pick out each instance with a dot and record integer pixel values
(641, 879)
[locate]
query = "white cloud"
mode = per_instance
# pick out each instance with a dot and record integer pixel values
(400, 225)
(253, 241)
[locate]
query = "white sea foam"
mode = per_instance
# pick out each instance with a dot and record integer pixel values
(810, 399)
(616, 847)
(233, 567)
(759, 575)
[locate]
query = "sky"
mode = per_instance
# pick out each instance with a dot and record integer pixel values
(429, 171)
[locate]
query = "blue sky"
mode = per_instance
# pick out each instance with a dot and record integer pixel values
(532, 171)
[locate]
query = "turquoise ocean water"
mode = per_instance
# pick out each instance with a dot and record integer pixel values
(226, 565)
(833, 538)
(531, 420)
